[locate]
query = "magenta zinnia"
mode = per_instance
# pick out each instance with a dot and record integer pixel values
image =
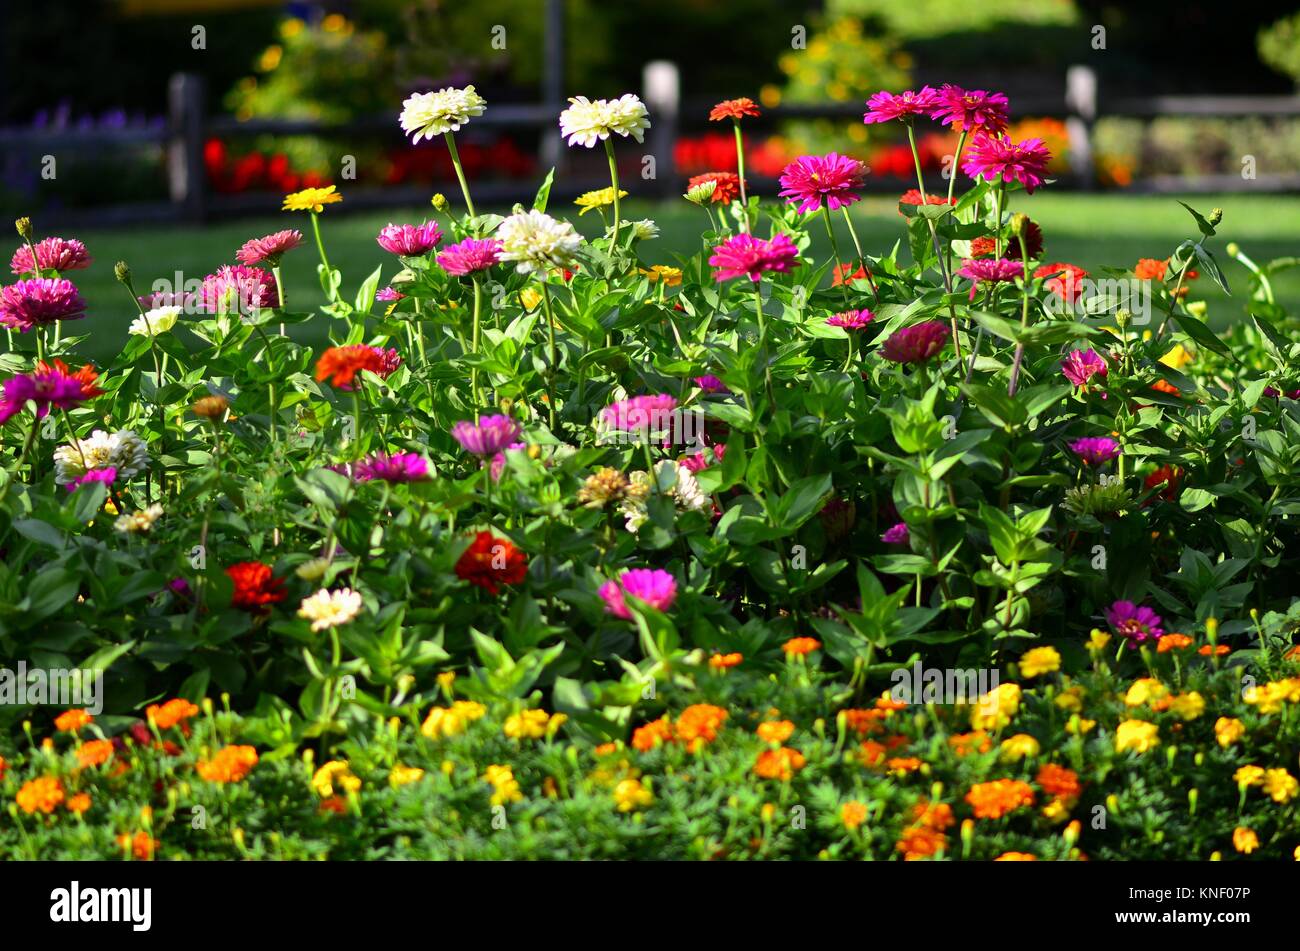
(656, 587)
(993, 157)
(896, 534)
(409, 241)
(52, 254)
(851, 319)
(469, 256)
(884, 106)
(640, 413)
(269, 248)
(744, 255)
(488, 436)
(107, 475)
(917, 343)
(1081, 365)
(236, 288)
(399, 467)
(1133, 623)
(49, 385)
(970, 110)
(38, 302)
(1094, 450)
(991, 270)
(812, 179)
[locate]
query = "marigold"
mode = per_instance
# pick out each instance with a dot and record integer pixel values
(42, 794)
(1136, 735)
(630, 795)
(1040, 660)
(506, 787)
(450, 721)
(800, 646)
(920, 842)
(70, 721)
(724, 661)
(775, 731)
(142, 846)
(1016, 857)
(779, 764)
(1173, 642)
(698, 724)
(1020, 746)
(853, 814)
(1244, 840)
(94, 753)
(1059, 782)
(994, 710)
(652, 734)
(78, 804)
(230, 765)
(1280, 785)
(170, 713)
(401, 775)
(1228, 730)
(995, 799)
(1150, 269)
(1249, 775)
(334, 773)
(1187, 706)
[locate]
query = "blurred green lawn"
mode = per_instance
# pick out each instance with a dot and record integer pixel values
(1088, 230)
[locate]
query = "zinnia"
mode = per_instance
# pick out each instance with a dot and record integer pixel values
(410, 241)
(236, 289)
(1064, 280)
(429, 114)
(990, 271)
(488, 436)
(38, 302)
(851, 319)
(469, 256)
(537, 242)
(395, 468)
(255, 586)
(917, 343)
(1136, 624)
(726, 186)
(48, 385)
(586, 122)
(270, 248)
(640, 413)
(970, 110)
(812, 179)
(744, 255)
(884, 106)
(656, 587)
(490, 562)
(993, 157)
(733, 109)
(340, 365)
(52, 254)
(326, 609)
(1082, 365)
(1094, 450)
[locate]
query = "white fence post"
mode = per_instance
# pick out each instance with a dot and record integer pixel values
(661, 82)
(1081, 101)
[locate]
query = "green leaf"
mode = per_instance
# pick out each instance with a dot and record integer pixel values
(544, 192)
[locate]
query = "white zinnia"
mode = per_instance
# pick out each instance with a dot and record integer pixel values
(430, 114)
(643, 230)
(326, 609)
(141, 521)
(155, 322)
(124, 451)
(537, 241)
(586, 123)
(673, 480)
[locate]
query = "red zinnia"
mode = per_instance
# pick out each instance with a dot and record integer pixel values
(733, 109)
(340, 365)
(728, 185)
(1068, 282)
(255, 586)
(913, 197)
(490, 562)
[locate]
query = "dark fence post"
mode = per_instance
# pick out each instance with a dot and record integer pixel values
(1081, 101)
(661, 84)
(186, 176)
(551, 146)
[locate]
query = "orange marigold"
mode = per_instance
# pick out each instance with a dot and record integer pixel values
(976, 741)
(42, 794)
(936, 815)
(779, 764)
(723, 661)
(995, 799)
(70, 721)
(871, 753)
(167, 715)
(94, 753)
(1216, 650)
(853, 814)
(78, 804)
(920, 842)
(903, 764)
(799, 646)
(698, 724)
(142, 845)
(1059, 781)
(647, 737)
(775, 731)
(230, 765)
(1016, 857)
(1173, 642)
(864, 721)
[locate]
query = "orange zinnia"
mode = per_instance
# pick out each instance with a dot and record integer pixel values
(995, 799)
(733, 109)
(1149, 269)
(340, 365)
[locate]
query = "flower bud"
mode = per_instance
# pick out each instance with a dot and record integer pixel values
(439, 202)
(1122, 318)
(1216, 215)
(211, 407)
(1212, 630)
(1019, 224)
(1193, 795)
(1233, 249)
(122, 272)
(24, 227)
(702, 192)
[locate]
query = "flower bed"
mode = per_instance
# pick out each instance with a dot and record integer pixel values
(941, 550)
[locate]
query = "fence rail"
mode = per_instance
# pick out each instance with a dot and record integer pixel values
(189, 126)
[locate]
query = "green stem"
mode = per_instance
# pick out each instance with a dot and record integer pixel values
(553, 359)
(740, 174)
(460, 173)
(320, 247)
(835, 250)
(473, 373)
(613, 178)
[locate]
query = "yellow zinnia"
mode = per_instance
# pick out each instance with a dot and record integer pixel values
(311, 199)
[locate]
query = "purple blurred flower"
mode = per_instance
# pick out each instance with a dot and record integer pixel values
(711, 384)
(107, 475)
(1133, 623)
(499, 460)
(1094, 450)
(895, 534)
(640, 413)
(917, 343)
(399, 467)
(488, 436)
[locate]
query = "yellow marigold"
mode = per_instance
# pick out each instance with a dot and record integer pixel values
(975, 742)
(1136, 735)
(1016, 857)
(800, 646)
(506, 787)
(1039, 661)
(995, 709)
(446, 680)
(334, 773)
(42, 794)
(1248, 776)
(311, 199)
(1070, 699)
(1244, 840)
(78, 804)
(630, 795)
(1097, 640)
(171, 713)
(1280, 785)
(995, 799)
(902, 765)
(1019, 746)
(647, 737)
(775, 731)
(780, 764)
(1056, 811)
(724, 661)
(1173, 642)
(1271, 697)
(1187, 706)
(450, 721)
(671, 276)
(94, 753)
(142, 846)
(1079, 725)
(1145, 690)
(529, 724)
(230, 765)
(70, 721)
(1228, 730)
(698, 724)
(404, 775)
(853, 814)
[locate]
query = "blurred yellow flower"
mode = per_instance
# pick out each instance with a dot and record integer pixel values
(1136, 735)
(1040, 660)
(630, 795)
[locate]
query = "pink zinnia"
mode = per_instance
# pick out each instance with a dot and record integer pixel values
(270, 248)
(989, 271)
(488, 436)
(917, 343)
(52, 254)
(399, 467)
(237, 289)
(1094, 450)
(387, 295)
(1135, 624)
(971, 110)
(498, 464)
(640, 413)
(469, 256)
(656, 587)
(896, 534)
(107, 475)
(165, 299)
(851, 319)
(711, 384)
(744, 255)
(1081, 365)
(884, 106)
(991, 157)
(810, 179)
(40, 301)
(409, 241)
